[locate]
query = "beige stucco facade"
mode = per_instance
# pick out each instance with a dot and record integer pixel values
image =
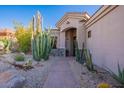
(107, 34)
(106, 43)
(72, 20)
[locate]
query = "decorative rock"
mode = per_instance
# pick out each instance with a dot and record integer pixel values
(8, 58)
(11, 79)
(58, 52)
(5, 66)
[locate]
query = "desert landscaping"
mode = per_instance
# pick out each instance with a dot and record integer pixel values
(27, 61)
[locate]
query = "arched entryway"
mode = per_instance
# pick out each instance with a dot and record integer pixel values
(70, 40)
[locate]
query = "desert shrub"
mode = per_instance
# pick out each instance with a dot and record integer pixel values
(5, 45)
(103, 85)
(1, 45)
(19, 57)
(14, 46)
(28, 65)
(5, 41)
(23, 36)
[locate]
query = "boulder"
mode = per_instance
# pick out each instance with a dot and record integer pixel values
(11, 79)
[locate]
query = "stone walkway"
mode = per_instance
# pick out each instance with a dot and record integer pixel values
(61, 76)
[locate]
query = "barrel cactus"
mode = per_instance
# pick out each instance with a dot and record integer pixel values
(41, 40)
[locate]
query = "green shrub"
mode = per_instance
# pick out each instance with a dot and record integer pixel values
(5, 45)
(20, 57)
(6, 42)
(1, 45)
(23, 36)
(14, 46)
(103, 85)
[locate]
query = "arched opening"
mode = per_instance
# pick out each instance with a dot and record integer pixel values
(70, 41)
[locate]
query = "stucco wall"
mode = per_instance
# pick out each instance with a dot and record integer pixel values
(107, 40)
(81, 39)
(56, 33)
(62, 40)
(73, 23)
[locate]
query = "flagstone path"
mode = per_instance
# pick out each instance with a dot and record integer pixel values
(61, 76)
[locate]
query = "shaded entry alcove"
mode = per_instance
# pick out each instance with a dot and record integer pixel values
(70, 39)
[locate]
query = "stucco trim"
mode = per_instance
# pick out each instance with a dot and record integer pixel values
(54, 29)
(104, 10)
(75, 15)
(68, 28)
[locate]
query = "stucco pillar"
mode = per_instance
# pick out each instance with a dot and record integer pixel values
(62, 39)
(61, 48)
(81, 35)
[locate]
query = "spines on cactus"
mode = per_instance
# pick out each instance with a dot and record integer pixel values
(79, 54)
(41, 40)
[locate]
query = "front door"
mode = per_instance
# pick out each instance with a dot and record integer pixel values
(70, 42)
(74, 45)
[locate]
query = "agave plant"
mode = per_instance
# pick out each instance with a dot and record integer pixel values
(120, 76)
(41, 40)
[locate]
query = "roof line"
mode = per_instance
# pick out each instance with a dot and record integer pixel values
(95, 12)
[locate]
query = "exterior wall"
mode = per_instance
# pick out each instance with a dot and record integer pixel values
(62, 40)
(107, 37)
(56, 33)
(72, 20)
(69, 23)
(60, 51)
(73, 23)
(80, 33)
(81, 39)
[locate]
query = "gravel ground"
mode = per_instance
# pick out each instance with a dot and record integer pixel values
(36, 77)
(89, 79)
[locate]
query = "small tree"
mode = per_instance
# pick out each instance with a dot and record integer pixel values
(23, 36)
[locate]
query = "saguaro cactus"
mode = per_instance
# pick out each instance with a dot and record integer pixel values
(41, 40)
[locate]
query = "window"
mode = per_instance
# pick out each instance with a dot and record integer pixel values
(89, 34)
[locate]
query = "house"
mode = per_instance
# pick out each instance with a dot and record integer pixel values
(102, 33)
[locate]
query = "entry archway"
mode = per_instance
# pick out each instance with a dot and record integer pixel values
(70, 41)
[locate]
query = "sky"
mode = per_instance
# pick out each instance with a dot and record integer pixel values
(51, 13)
